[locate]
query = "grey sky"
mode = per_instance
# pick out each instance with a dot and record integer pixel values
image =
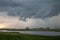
(32, 9)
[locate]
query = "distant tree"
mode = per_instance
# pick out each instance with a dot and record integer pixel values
(48, 28)
(41, 28)
(27, 28)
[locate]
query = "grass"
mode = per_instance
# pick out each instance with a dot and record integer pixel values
(17, 36)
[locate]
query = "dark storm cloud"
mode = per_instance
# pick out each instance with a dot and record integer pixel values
(31, 8)
(8, 3)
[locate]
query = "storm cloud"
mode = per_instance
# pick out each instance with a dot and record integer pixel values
(31, 11)
(31, 8)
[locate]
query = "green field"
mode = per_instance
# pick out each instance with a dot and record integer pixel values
(17, 36)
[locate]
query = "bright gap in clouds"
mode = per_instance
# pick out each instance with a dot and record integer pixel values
(3, 25)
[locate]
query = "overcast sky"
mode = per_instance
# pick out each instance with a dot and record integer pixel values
(30, 13)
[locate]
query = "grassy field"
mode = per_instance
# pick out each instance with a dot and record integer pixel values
(17, 36)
